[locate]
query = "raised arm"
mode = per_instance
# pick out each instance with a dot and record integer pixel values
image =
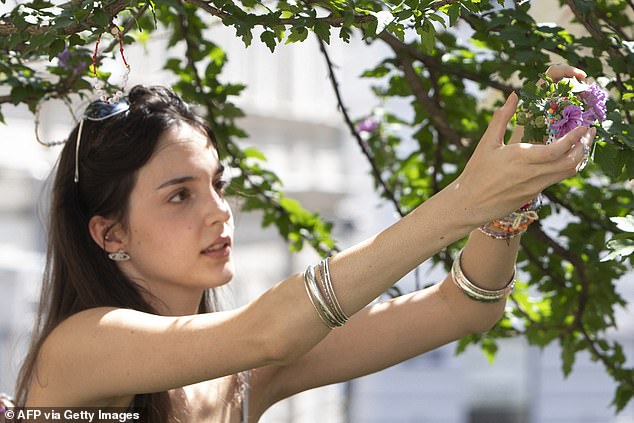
(104, 353)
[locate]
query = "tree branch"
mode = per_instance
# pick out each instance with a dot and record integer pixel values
(7, 28)
(607, 362)
(578, 265)
(112, 9)
(64, 86)
(433, 111)
(387, 192)
(433, 63)
(591, 220)
(264, 20)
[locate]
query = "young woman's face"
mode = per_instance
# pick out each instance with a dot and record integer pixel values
(180, 227)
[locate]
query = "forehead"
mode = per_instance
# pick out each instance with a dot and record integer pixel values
(181, 150)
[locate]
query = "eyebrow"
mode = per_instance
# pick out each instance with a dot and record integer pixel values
(183, 179)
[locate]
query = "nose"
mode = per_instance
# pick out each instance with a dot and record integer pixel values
(218, 210)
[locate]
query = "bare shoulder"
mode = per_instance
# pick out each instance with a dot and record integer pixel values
(63, 347)
(109, 353)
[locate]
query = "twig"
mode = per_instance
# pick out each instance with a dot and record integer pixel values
(364, 149)
(230, 146)
(591, 220)
(605, 360)
(578, 265)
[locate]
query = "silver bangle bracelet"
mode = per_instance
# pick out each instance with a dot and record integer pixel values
(330, 293)
(475, 292)
(322, 309)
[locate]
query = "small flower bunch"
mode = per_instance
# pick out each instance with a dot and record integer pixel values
(555, 109)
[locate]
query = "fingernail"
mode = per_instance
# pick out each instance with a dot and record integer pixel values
(588, 136)
(512, 95)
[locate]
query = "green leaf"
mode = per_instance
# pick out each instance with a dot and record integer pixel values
(428, 38)
(567, 355)
(454, 13)
(251, 152)
(101, 18)
(298, 34)
(268, 38)
(344, 34)
(624, 394)
(55, 48)
(489, 348)
(322, 29)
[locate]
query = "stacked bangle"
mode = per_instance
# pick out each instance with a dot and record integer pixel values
(322, 295)
(475, 292)
(515, 223)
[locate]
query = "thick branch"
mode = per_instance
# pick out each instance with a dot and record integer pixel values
(112, 9)
(427, 103)
(265, 20)
(433, 63)
(64, 86)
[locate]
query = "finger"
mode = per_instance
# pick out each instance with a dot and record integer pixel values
(494, 135)
(557, 72)
(554, 151)
(568, 165)
(516, 136)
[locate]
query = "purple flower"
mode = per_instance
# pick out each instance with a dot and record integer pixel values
(594, 98)
(571, 118)
(368, 125)
(64, 58)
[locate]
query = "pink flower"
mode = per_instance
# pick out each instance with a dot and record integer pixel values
(571, 118)
(368, 125)
(594, 98)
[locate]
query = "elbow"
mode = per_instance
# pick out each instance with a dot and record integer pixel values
(489, 316)
(279, 353)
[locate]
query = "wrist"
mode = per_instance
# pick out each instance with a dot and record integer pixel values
(513, 224)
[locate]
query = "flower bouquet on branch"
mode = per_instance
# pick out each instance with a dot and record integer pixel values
(555, 108)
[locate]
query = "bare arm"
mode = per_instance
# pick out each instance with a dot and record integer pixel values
(388, 333)
(104, 353)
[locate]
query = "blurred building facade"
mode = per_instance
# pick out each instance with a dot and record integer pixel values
(293, 120)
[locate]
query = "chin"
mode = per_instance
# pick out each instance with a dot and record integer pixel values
(224, 276)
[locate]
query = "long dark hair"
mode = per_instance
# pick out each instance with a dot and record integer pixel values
(78, 274)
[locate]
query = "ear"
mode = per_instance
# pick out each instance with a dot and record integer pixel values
(106, 233)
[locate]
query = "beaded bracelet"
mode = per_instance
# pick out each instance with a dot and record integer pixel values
(515, 223)
(474, 292)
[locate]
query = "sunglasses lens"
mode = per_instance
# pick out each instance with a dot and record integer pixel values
(100, 110)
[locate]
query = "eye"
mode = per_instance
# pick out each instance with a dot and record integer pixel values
(220, 185)
(180, 196)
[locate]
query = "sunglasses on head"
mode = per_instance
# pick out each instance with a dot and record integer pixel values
(97, 111)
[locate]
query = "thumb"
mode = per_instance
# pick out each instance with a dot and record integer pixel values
(494, 135)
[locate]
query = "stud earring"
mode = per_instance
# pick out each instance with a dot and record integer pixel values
(120, 255)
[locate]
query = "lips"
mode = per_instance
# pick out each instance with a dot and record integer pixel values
(219, 248)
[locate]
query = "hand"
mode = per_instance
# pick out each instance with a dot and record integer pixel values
(500, 178)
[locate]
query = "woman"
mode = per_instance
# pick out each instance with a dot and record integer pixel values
(140, 232)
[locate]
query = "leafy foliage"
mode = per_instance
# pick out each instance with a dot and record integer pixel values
(46, 51)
